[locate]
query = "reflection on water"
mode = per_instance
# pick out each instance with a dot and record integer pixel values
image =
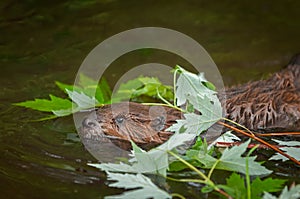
(42, 41)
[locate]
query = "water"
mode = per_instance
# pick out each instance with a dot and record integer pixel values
(41, 42)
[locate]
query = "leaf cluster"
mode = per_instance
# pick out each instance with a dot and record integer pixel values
(89, 93)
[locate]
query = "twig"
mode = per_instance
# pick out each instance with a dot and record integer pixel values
(276, 134)
(251, 135)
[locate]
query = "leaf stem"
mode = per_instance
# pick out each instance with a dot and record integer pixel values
(174, 85)
(203, 176)
(248, 183)
(162, 104)
(163, 99)
(207, 181)
(237, 124)
(186, 180)
(213, 168)
(177, 195)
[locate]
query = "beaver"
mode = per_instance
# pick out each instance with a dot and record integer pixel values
(265, 105)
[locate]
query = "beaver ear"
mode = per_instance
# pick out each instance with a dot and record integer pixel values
(295, 60)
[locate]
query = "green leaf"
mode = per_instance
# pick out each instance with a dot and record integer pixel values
(190, 89)
(258, 186)
(142, 185)
(82, 101)
(105, 91)
(189, 84)
(121, 167)
(153, 161)
(235, 186)
(287, 143)
(194, 123)
(65, 87)
(293, 193)
(292, 149)
(91, 88)
(147, 86)
(55, 103)
(231, 160)
(65, 112)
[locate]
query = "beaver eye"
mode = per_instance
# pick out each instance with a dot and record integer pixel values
(119, 119)
(158, 123)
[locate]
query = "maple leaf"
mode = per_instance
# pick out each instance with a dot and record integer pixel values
(142, 185)
(231, 160)
(189, 84)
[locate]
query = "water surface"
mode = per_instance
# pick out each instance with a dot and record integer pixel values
(45, 41)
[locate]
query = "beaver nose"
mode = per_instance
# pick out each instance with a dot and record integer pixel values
(87, 122)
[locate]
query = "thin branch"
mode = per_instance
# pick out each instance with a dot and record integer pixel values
(251, 135)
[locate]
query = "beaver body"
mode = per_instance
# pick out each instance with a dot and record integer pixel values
(265, 105)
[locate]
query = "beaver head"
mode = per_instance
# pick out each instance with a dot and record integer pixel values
(124, 122)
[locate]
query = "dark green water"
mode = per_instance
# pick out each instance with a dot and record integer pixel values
(44, 41)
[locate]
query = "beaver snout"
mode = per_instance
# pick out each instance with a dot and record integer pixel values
(92, 129)
(89, 123)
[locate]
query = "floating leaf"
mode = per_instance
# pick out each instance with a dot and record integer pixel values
(287, 143)
(121, 167)
(190, 89)
(195, 123)
(189, 84)
(64, 112)
(82, 101)
(292, 149)
(231, 160)
(65, 87)
(227, 137)
(55, 103)
(153, 161)
(142, 185)
(147, 86)
(101, 91)
(236, 186)
(89, 87)
(293, 193)
(258, 186)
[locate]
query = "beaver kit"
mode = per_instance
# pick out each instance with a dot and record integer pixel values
(265, 105)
